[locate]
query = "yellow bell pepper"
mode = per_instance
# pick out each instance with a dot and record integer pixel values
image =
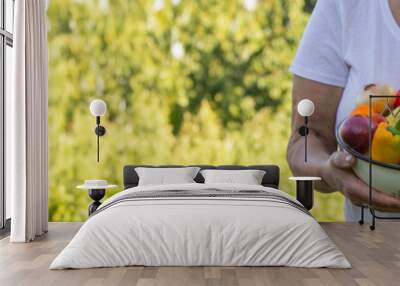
(386, 144)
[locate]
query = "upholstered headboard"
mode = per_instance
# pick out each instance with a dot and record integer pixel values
(270, 179)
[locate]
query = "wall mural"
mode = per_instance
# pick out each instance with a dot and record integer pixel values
(185, 82)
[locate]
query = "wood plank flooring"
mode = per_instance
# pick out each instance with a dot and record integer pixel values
(375, 257)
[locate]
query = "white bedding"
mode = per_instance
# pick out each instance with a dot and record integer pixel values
(200, 231)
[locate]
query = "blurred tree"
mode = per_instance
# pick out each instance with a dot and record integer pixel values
(309, 5)
(185, 82)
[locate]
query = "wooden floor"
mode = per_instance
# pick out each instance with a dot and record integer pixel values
(375, 257)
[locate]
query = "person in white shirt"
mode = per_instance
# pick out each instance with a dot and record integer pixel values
(347, 44)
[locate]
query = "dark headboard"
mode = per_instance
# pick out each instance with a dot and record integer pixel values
(270, 179)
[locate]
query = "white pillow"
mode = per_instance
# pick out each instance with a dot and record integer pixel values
(165, 176)
(248, 177)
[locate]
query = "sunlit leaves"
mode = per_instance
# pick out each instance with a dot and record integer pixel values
(185, 82)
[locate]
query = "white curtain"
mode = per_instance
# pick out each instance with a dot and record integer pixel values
(26, 146)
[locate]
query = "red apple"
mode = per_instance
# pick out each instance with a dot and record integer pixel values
(355, 133)
(378, 118)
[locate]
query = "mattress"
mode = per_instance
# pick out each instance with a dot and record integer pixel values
(201, 225)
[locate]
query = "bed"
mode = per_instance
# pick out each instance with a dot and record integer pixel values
(201, 224)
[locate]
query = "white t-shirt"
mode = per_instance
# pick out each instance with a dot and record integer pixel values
(350, 43)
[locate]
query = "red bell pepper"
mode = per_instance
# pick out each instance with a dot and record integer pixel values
(397, 100)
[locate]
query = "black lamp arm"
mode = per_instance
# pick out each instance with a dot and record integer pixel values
(303, 131)
(99, 131)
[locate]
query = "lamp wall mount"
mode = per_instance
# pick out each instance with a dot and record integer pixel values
(99, 130)
(304, 130)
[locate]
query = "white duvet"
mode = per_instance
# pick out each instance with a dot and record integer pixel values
(200, 231)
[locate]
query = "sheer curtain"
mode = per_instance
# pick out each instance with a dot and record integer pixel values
(26, 145)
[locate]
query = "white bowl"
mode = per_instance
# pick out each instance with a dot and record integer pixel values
(385, 177)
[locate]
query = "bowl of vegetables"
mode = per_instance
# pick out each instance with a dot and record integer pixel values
(353, 136)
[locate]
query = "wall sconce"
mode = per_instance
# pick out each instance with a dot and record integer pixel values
(98, 108)
(305, 108)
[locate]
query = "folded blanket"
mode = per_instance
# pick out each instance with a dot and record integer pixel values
(204, 193)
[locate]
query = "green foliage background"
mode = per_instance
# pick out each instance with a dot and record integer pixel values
(186, 82)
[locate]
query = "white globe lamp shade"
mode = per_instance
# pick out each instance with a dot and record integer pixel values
(305, 107)
(98, 107)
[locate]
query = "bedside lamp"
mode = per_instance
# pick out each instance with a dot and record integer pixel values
(305, 108)
(98, 108)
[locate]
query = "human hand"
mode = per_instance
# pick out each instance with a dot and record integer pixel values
(338, 175)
